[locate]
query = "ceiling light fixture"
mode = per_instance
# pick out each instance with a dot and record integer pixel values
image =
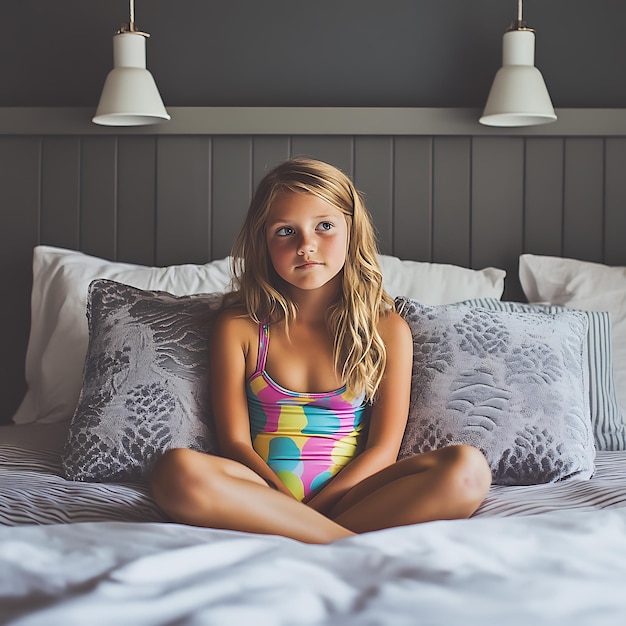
(518, 96)
(130, 96)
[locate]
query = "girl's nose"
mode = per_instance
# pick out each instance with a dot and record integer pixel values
(307, 244)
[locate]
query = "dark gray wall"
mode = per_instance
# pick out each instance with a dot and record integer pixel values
(416, 53)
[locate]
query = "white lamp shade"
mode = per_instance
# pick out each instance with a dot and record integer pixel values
(518, 96)
(130, 96)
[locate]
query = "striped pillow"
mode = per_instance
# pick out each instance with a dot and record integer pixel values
(606, 416)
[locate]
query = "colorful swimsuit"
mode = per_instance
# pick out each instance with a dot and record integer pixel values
(306, 438)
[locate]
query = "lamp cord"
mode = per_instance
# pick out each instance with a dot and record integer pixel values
(131, 27)
(519, 23)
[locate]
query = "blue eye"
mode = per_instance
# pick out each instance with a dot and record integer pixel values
(325, 226)
(284, 231)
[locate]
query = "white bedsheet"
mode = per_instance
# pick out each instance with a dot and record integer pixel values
(566, 567)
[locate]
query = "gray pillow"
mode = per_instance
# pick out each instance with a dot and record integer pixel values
(514, 385)
(607, 420)
(145, 382)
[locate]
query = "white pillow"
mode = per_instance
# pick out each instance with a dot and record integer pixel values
(438, 283)
(586, 286)
(59, 334)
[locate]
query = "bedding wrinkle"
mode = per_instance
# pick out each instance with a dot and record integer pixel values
(560, 568)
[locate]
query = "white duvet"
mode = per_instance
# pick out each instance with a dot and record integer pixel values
(566, 567)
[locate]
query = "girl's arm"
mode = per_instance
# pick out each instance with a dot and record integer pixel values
(232, 335)
(388, 416)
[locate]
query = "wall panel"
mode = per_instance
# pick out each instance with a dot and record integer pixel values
(583, 213)
(98, 196)
(497, 205)
(451, 231)
(232, 177)
(136, 200)
(182, 200)
(543, 192)
(373, 176)
(60, 192)
(615, 202)
(412, 198)
(20, 160)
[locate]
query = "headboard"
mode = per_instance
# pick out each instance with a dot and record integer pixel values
(440, 187)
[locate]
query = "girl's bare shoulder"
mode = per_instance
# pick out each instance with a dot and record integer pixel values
(234, 322)
(393, 328)
(392, 323)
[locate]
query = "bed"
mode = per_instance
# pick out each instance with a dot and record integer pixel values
(520, 231)
(81, 540)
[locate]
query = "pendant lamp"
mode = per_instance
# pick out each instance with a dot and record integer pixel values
(130, 96)
(518, 96)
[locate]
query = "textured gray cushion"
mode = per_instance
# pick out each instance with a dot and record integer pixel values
(512, 384)
(607, 421)
(145, 382)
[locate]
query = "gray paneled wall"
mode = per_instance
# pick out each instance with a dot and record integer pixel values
(468, 200)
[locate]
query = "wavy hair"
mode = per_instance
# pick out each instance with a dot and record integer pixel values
(358, 351)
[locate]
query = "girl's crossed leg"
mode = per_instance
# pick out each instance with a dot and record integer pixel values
(204, 490)
(448, 483)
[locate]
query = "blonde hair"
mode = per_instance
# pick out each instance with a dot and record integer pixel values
(358, 352)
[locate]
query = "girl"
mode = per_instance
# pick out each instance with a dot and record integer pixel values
(310, 374)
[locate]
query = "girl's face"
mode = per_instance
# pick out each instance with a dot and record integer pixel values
(307, 240)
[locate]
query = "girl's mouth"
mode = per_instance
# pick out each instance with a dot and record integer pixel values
(308, 265)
